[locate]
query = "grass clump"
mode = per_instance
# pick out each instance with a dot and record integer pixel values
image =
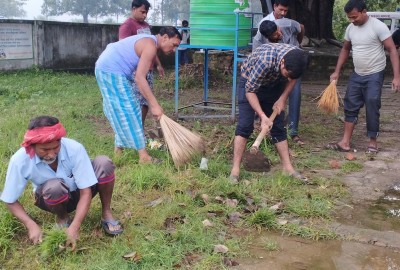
(264, 218)
(351, 166)
(53, 243)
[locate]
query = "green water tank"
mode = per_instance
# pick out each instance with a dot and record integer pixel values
(207, 15)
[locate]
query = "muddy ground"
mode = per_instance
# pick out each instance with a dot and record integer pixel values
(368, 221)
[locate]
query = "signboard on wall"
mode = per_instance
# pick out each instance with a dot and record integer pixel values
(15, 41)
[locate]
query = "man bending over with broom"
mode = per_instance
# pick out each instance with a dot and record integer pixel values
(63, 177)
(367, 37)
(114, 68)
(267, 77)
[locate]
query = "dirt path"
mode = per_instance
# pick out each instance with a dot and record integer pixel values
(371, 238)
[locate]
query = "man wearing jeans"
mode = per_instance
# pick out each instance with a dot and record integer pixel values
(367, 37)
(267, 77)
(63, 177)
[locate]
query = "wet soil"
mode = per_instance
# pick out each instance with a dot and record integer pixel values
(367, 222)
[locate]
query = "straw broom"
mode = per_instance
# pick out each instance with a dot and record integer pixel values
(329, 100)
(182, 143)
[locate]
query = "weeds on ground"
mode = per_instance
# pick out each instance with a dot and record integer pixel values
(172, 217)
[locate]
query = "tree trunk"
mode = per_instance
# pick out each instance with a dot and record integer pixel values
(316, 16)
(85, 18)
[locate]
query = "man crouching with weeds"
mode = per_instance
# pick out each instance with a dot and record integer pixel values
(63, 177)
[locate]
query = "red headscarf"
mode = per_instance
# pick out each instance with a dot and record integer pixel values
(42, 135)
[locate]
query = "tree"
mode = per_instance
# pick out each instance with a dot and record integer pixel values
(12, 8)
(86, 8)
(168, 11)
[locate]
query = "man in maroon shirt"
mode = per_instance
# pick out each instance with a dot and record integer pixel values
(136, 25)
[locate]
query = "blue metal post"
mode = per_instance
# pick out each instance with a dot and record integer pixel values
(205, 94)
(176, 82)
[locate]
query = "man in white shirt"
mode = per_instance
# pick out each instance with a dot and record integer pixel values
(281, 8)
(63, 177)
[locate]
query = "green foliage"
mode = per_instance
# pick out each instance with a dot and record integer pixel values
(12, 8)
(308, 232)
(168, 11)
(351, 166)
(53, 243)
(85, 8)
(264, 218)
(8, 227)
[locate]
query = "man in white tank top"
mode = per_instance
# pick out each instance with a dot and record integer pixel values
(367, 37)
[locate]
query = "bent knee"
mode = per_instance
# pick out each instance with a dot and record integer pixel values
(104, 169)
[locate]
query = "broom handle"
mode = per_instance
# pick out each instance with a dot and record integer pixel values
(263, 133)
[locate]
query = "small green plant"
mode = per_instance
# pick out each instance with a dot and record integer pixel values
(53, 243)
(8, 227)
(264, 218)
(351, 166)
(308, 232)
(271, 245)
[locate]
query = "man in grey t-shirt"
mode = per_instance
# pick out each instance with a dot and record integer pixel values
(368, 38)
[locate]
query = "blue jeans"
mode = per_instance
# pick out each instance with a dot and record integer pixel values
(267, 96)
(294, 109)
(364, 90)
(183, 57)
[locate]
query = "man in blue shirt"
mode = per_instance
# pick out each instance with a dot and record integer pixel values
(63, 177)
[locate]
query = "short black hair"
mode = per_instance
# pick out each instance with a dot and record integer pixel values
(284, 3)
(267, 28)
(139, 3)
(360, 5)
(396, 37)
(185, 23)
(296, 62)
(170, 31)
(42, 121)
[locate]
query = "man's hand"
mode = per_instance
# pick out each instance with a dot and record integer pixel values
(266, 122)
(334, 76)
(160, 70)
(35, 233)
(396, 84)
(72, 237)
(156, 111)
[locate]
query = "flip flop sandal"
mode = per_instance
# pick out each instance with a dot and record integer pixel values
(105, 225)
(296, 139)
(298, 176)
(336, 147)
(371, 150)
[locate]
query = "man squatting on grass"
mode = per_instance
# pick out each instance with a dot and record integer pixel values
(367, 37)
(135, 25)
(267, 77)
(63, 177)
(114, 70)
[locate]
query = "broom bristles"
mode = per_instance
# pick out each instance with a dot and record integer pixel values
(329, 101)
(182, 143)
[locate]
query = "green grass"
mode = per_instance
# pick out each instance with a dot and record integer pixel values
(161, 208)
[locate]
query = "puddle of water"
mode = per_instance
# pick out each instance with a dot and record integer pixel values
(384, 215)
(298, 254)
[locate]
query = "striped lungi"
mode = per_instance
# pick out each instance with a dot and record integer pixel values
(122, 109)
